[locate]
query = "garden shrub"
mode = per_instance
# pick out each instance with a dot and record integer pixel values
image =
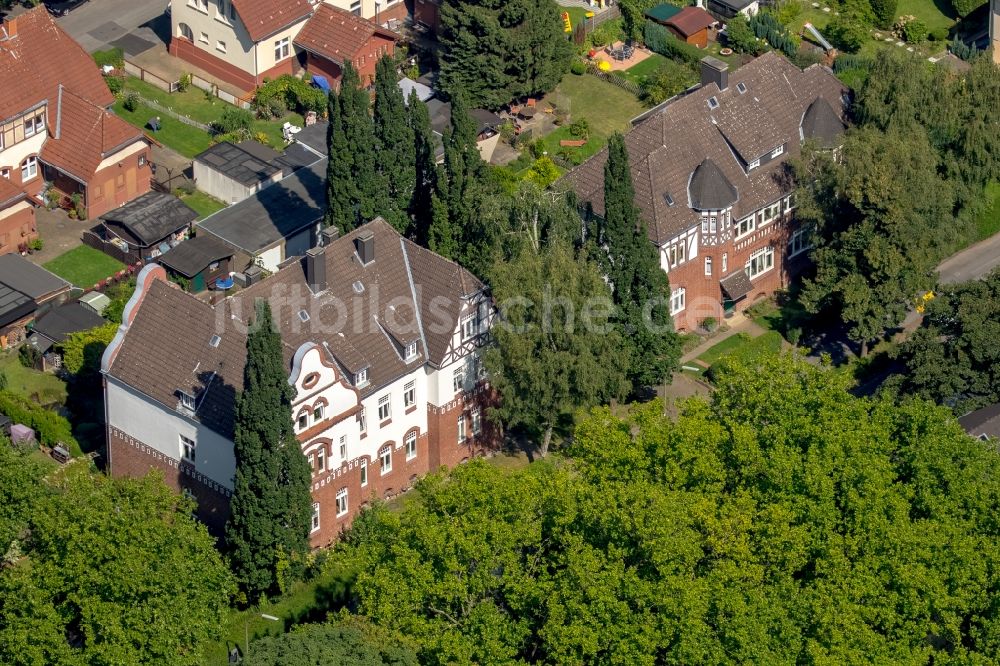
(938, 35)
(275, 97)
(965, 7)
(233, 120)
(846, 35)
(608, 32)
(765, 26)
(884, 11)
(130, 101)
(740, 37)
(580, 129)
(914, 31)
(666, 82)
(962, 50)
(114, 57)
(50, 428)
(578, 68)
(662, 41)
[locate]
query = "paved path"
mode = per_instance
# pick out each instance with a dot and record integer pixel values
(99, 22)
(738, 324)
(971, 263)
(58, 233)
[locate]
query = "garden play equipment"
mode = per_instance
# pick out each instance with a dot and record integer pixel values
(827, 46)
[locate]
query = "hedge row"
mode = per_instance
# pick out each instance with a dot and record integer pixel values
(662, 41)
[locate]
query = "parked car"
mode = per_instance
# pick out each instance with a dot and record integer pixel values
(63, 7)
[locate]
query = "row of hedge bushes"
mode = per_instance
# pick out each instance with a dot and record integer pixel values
(50, 428)
(660, 40)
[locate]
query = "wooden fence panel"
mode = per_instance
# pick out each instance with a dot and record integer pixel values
(614, 79)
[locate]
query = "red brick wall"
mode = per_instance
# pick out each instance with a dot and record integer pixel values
(427, 12)
(130, 457)
(366, 58)
(324, 67)
(703, 295)
(212, 64)
(286, 66)
(17, 229)
(116, 185)
(397, 11)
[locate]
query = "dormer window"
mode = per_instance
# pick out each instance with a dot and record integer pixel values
(741, 87)
(753, 165)
(361, 377)
(186, 400)
(411, 351)
(713, 103)
(777, 151)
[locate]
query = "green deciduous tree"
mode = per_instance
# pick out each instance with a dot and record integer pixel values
(640, 287)
(555, 349)
(111, 571)
(493, 52)
(885, 12)
(350, 642)
(784, 521)
(394, 147)
(271, 504)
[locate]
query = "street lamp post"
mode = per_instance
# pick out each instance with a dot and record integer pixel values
(246, 632)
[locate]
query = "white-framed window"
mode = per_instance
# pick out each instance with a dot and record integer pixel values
(188, 447)
(799, 241)
(411, 445)
(143, 160)
(321, 459)
(725, 262)
(33, 125)
(761, 261)
(461, 428)
(409, 394)
(29, 169)
(343, 448)
(317, 413)
(5, 173)
(187, 400)
(713, 224)
(315, 517)
(385, 457)
(363, 420)
(303, 420)
(384, 410)
(458, 379)
(753, 165)
(411, 351)
(469, 326)
(708, 265)
(364, 473)
(677, 300)
(281, 49)
(341, 502)
(203, 38)
(777, 151)
(677, 253)
(477, 420)
(771, 212)
(356, 7)
(745, 226)
(220, 46)
(361, 377)
(790, 202)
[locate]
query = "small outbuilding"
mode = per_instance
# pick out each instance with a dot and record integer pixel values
(233, 172)
(693, 25)
(148, 226)
(55, 326)
(727, 9)
(200, 261)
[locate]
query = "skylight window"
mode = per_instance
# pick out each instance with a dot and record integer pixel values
(303, 315)
(713, 103)
(742, 87)
(667, 199)
(214, 342)
(358, 287)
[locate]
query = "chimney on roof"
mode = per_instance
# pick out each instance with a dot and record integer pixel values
(328, 235)
(714, 71)
(316, 269)
(10, 28)
(364, 244)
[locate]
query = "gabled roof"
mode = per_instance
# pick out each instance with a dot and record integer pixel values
(709, 188)
(14, 305)
(691, 20)
(59, 323)
(195, 255)
(30, 279)
(152, 216)
(338, 35)
(983, 422)
(821, 123)
(83, 134)
(171, 330)
(263, 18)
(10, 193)
(37, 58)
(663, 12)
(760, 109)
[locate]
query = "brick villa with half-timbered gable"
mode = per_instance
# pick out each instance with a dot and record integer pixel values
(382, 341)
(713, 184)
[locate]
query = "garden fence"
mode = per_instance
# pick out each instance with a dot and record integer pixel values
(176, 116)
(150, 78)
(612, 78)
(92, 239)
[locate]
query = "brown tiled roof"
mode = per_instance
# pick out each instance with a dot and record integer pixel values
(38, 58)
(338, 35)
(83, 134)
(691, 20)
(167, 345)
(266, 17)
(10, 193)
(667, 147)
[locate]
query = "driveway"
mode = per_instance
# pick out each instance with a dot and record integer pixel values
(100, 23)
(971, 263)
(58, 233)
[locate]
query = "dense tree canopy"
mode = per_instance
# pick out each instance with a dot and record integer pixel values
(785, 521)
(494, 51)
(271, 504)
(350, 642)
(394, 147)
(103, 571)
(954, 359)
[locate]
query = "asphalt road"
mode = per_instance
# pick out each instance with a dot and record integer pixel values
(97, 23)
(971, 263)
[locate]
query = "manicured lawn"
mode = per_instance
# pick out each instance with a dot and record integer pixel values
(934, 14)
(742, 344)
(84, 266)
(186, 140)
(202, 203)
(988, 222)
(637, 73)
(576, 14)
(43, 387)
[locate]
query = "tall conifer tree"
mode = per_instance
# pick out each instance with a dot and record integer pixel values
(271, 504)
(355, 104)
(394, 147)
(641, 289)
(425, 169)
(339, 172)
